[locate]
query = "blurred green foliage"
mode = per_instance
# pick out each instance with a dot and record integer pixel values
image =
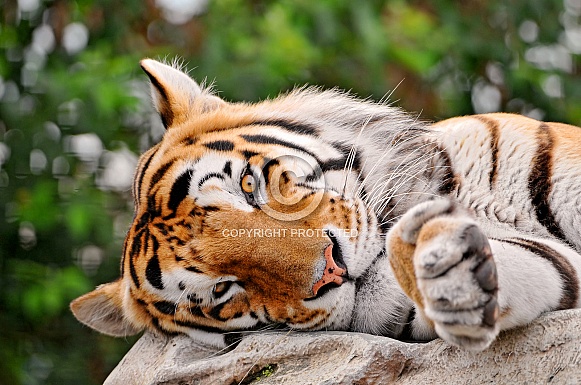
(74, 113)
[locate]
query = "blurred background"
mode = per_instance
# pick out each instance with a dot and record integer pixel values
(75, 115)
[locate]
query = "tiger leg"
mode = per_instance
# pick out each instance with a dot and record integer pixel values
(448, 267)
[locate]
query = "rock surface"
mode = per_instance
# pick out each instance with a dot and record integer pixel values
(546, 351)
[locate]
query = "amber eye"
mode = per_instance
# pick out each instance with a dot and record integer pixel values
(221, 288)
(248, 183)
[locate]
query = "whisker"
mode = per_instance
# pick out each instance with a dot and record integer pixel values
(391, 176)
(178, 304)
(351, 157)
(389, 150)
(400, 138)
(390, 220)
(397, 188)
(266, 329)
(384, 191)
(378, 194)
(225, 349)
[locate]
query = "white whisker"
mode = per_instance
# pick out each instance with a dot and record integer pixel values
(395, 174)
(398, 142)
(351, 157)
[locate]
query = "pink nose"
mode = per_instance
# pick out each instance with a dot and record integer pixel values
(332, 273)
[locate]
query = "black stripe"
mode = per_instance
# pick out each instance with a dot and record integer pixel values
(142, 221)
(449, 181)
(136, 245)
(540, 185)
(192, 325)
(492, 126)
(300, 128)
(155, 244)
(135, 252)
(166, 307)
(220, 145)
(209, 176)
(160, 173)
(164, 106)
(196, 310)
(268, 163)
(333, 164)
(142, 171)
(194, 269)
(215, 312)
(565, 269)
(314, 176)
(248, 154)
(179, 190)
(340, 164)
(493, 154)
(134, 276)
(189, 141)
(193, 298)
(123, 255)
(153, 211)
(345, 150)
(267, 315)
(179, 241)
(407, 332)
(163, 228)
(364, 278)
(228, 169)
(155, 323)
(153, 272)
(265, 139)
(232, 339)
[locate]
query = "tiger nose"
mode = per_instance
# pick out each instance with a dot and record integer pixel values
(331, 274)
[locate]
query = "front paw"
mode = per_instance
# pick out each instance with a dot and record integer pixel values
(454, 272)
(457, 278)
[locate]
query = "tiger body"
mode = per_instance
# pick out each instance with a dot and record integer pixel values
(317, 211)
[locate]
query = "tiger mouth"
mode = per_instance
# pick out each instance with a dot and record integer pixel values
(335, 273)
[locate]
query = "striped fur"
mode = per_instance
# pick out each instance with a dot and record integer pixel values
(318, 211)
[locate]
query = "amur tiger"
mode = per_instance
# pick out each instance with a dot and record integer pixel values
(319, 211)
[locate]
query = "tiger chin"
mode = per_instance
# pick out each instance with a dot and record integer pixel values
(319, 211)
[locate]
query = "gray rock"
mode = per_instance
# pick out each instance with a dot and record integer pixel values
(546, 351)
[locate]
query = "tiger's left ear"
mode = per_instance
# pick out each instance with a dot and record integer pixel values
(102, 310)
(176, 96)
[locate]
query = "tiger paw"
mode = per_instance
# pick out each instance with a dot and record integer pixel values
(455, 274)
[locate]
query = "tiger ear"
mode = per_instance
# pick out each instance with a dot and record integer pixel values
(175, 95)
(102, 310)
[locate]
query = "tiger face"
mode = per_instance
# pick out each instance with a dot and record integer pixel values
(243, 218)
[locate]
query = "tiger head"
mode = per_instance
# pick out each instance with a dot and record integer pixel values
(246, 215)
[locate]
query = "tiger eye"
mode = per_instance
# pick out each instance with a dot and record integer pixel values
(221, 287)
(248, 183)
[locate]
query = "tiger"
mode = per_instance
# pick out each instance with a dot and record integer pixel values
(317, 210)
